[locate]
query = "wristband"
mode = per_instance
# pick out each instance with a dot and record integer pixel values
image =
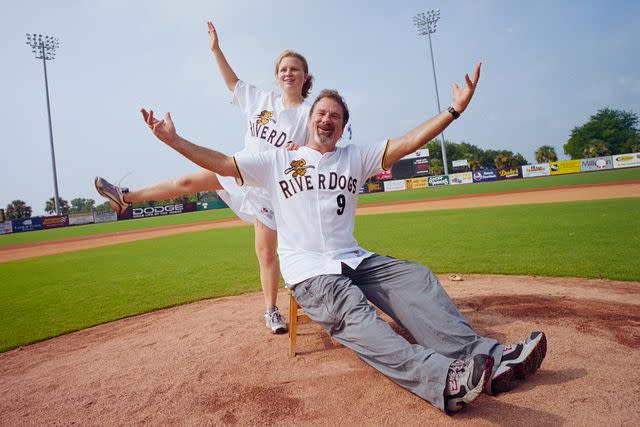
(453, 112)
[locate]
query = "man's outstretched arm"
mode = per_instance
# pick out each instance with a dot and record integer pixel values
(212, 160)
(412, 141)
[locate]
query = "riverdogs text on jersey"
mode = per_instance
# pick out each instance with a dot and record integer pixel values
(301, 181)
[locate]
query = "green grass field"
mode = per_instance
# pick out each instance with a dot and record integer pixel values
(486, 187)
(48, 296)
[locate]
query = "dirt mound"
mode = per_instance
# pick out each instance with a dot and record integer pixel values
(213, 362)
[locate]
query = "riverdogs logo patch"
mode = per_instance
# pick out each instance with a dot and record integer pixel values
(298, 167)
(264, 117)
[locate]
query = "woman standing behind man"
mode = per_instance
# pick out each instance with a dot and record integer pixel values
(274, 121)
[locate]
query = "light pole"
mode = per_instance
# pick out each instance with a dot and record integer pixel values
(426, 26)
(45, 49)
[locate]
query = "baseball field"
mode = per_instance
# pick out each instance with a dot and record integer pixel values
(159, 321)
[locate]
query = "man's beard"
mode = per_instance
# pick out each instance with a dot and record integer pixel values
(323, 140)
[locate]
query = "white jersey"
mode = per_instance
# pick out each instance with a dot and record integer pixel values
(314, 197)
(270, 125)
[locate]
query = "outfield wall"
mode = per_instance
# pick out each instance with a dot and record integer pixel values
(5, 227)
(387, 182)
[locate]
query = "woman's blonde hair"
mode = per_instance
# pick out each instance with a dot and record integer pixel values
(306, 87)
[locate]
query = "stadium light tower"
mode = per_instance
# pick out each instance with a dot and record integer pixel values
(426, 26)
(45, 48)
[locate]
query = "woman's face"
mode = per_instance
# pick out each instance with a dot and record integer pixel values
(291, 74)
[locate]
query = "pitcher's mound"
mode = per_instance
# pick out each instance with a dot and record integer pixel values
(214, 362)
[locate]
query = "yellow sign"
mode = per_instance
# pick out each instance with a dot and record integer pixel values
(374, 187)
(565, 166)
(416, 183)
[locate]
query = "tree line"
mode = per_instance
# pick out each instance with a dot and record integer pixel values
(608, 132)
(19, 209)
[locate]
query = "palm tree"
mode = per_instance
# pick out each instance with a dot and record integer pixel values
(596, 148)
(474, 165)
(506, 160)
(50, 206)
(546, 154)
(18, 209)
(435, 167)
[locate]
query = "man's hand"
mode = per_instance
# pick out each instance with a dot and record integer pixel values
(201, 156)
(164, 129)
(292, 146)
(414, 139)
(460, 97)
(213, 37)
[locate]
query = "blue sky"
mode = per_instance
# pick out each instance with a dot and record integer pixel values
(547, 66)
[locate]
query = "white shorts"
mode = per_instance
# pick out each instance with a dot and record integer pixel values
(251, 204)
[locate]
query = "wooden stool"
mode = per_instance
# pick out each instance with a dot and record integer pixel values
(295, 315)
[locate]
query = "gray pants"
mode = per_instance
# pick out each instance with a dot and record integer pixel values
(411, 295)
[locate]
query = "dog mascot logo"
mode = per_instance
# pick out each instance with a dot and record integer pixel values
(298, 167)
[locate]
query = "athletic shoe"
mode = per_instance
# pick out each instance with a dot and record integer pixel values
(466, 381)
(113, 193)
(519, 361)
(274, 321)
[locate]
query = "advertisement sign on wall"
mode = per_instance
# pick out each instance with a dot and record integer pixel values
(384, 175)
(423, 152)
(596, 164)
(80, 219)
(397, 185)
(5, 227)
(460, 163)
(416, 183)
(374, 187)
(438, 180)
(461, 178)
(105, 217)
(532, 171)
(564, 167)
(56, 221)
(158, 210)
(29, 224)
(485, 175)
(211, 204)
(510, 173)
(626, 160)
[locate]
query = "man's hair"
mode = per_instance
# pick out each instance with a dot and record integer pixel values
(306, 86)
(333, 94)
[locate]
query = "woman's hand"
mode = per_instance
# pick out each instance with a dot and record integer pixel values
(213, 37)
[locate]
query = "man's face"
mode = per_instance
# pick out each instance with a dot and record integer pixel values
(325, 123)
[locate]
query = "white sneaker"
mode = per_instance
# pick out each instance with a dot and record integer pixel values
(274, 321)
(112, 192)
(466, 381)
